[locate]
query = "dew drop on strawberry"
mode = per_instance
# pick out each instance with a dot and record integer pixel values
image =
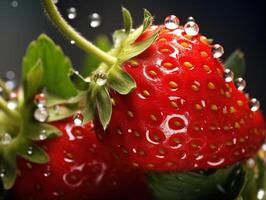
(228, 75)
(217, 51)
(254, 104)
(240, 84)
(171, 22)
(191, 28)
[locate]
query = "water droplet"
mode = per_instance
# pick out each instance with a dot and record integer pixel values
(40, 100)
(41, 114)
(72, 13)
(191, 28)
(171, 22)
(264, 147)
(43, 135)
(228, 75)
(10, 75)
(261, 194)
(13, 95)
(217, 51)
(2, 173)
(14, 4)
(78, 119)
(254, 104)
(101, 79)
(95, 20)
(12, 104)
(5, 138)
(251, 163)
(190, 19)
(10, 84)
(72, 42)
(240, 84)
(30, 150)
(55, 1)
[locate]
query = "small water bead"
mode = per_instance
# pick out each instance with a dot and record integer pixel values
(191, 28)
(101, 79)
(254, 104)
(72, 42)
(217, 51)
(55, 1)
(10, 84)
(190, 19)
(95, 20)
(43, 135)
(240, 84)
(261, 194)
(228, 75)
(12, 104)
(171, 22)
(40, 100)
(2, 173)
(30, 150)
(14, 4)
(78, 119)
(41, 114)
(72, 13)
(10, 75)
(251, 163)
(5, 138)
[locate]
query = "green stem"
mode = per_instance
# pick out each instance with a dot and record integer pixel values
(72, 34)
(11, 113)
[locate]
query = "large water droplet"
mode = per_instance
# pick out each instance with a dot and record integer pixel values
(171, 22)
(40, 100)
(14, 4)
(191, 28)
(261, 194)
(30, 150)
(41, 114)
(240, 84)
(72, 13)
(12, 104)
(228, 75)
(254, 104)
(95, 20)
(5, 138)
(78, 119)
(217, 51)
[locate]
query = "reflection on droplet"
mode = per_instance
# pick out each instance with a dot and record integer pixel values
(217, 51)
(254, 104)
(14, 4)
(191, 28)
(240, 84)
(43, 135)
(30, 150)
(72, 13)
(41, 114)
(228, 75)
(95, 20)
(5, 138)
(40, 100)
(171, 22)
(12, 104)
(261, 194)
(72, 42)
(78, 119)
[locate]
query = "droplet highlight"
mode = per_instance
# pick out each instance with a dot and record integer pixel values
(240, 84)
(171, 22)
(94, 20)
(191, 28)
(217, 51)
(254, 104)
(228, 75)
(72, 13)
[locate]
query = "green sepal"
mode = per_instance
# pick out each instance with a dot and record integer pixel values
(33, 80)
(8, 168)
(104, 106)
(59, 112)
(135, 49)
(56, 66)
(148, 19)
(223, 184)
(53, 100)
(236, 63)
(127, 20)
(33, 153)
(78, 81)
(120, 81)
(118, 37)
(41, 131)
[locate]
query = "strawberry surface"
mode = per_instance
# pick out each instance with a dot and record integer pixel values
(79, 168)
(185, 113)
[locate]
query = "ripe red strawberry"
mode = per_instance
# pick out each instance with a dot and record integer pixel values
(79, 168)
(185, 113)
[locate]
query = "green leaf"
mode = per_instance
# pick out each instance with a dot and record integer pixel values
(53, 100)
(41, 131)
(90, 62)
(104, 106)
(33, 153)
(135, 49)
(220, 185)
(56, 66)
(78, 81)
(59, 112)
(147, 21)
(121, 81)
(33, 80)
(9, 170)
(127, 20)
(236, 62)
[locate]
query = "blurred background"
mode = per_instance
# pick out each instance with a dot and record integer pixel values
(233, 24)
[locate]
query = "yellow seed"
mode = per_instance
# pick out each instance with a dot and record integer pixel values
(177, 123)
(141, 152)
(119, 131)
(163, 40)
(198, 106)
(196, 128)
(150, 165)
(204, 54)
(169, 164)
(229, 143)
(222, 91)
(237, 125)
(188, 36)
(232, 109)
(185, 45)
(130, 114)
(188, 64)
(113, 102)
(134, 63)
(228, 94)
(212, 146)
(164, 50)
(214, 107)
(211, 86)
(168, 65)
(204, 40)
(156, 137)
(212, 127)
(206, 68)
(241, 140)
(173, 104)
(152, 73)
(146, 93)
(242, 121)
(173, 84)
(176, 140)
(195, 88)
(136, 133)
(226, 128)
(240, 103)
(161, 151)
(153, 118)
(219, 71)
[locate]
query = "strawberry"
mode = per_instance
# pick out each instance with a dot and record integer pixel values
(79, 168)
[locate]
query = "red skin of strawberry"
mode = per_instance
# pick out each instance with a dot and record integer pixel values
(79, 168)
(182, 115)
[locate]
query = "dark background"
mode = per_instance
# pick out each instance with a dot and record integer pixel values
(234, 24)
